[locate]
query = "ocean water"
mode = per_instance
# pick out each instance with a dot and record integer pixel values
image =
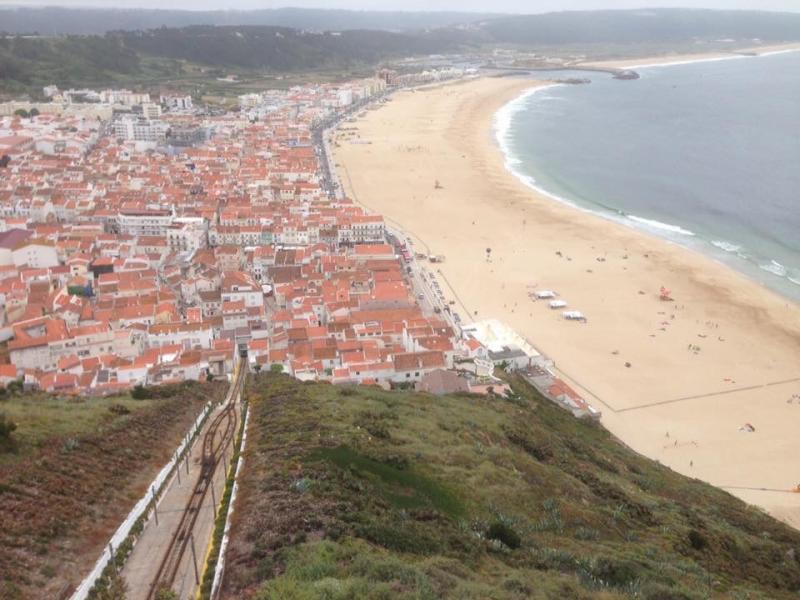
(705, 154)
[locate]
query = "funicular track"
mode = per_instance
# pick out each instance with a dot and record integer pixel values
(220, 434)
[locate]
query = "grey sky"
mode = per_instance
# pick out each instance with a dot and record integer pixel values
(520, 6)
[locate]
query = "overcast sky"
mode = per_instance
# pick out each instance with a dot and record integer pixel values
(522, 6)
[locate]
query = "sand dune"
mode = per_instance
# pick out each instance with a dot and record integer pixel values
(726, 352)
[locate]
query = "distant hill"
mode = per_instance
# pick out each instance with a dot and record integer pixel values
(339, 41)
(356, 492)
(84, 21)
(37, 61)
(617, 26)
(279, 48)
(29, 62)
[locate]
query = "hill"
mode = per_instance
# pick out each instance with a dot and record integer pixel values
(355, 492)
(32, 61)
(52, 20)
(72, 470)
(567, 27)
(278, 48)
(192, 55)
(342, 42)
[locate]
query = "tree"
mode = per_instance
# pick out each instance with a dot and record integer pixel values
(257, 368)
(34, 112)
(21, 112)
(276, 368)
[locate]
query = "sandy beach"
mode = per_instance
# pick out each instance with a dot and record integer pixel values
(725, 353)
(677, 59)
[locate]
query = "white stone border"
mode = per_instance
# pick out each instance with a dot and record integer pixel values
(219, 570)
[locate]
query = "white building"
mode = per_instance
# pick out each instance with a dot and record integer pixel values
(345, 97)
(247, 101)
(368, 228)
(40, 344)
(126, 97)
(187, 234)
(240, 286)
(38, 254)
(177, 102)
(504, 344)
(187, 335)
(145, 222)
(140, 130)
(151, 111)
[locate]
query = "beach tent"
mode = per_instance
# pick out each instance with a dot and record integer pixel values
(557, 304)
(574, 315)
(544, 294)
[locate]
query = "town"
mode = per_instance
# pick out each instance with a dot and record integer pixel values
(148, 241)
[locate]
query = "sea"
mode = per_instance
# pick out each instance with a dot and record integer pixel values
(705, 154)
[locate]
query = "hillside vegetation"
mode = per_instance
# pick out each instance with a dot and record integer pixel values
(53, 20)
(355, 492)
(28, 61)
(159, 48)
(70, 472)
(278, 48)
(192, 57)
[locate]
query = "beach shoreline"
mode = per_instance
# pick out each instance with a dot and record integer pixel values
(686, 59)
(612, 273)
(670, 232)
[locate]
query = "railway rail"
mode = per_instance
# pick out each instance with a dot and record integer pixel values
(220, 434)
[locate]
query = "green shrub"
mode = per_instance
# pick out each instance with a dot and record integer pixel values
(502, 532)
(166, 593)
(7, 427)
(614, 572)
(697, 540)
(139, 392)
